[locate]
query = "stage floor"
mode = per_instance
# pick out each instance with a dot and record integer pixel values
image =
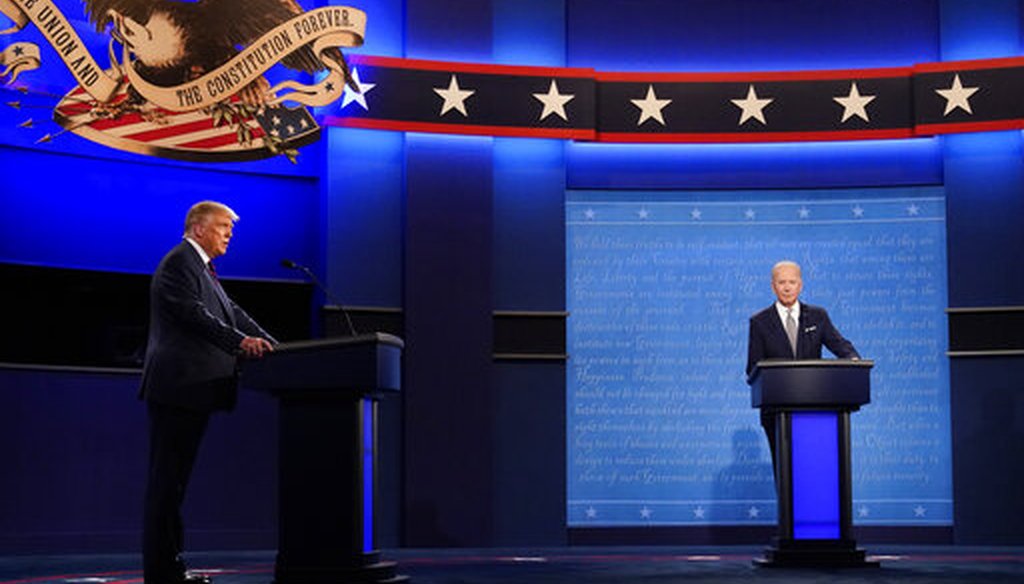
(576, 565)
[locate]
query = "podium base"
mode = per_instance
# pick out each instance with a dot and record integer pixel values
(814, 553)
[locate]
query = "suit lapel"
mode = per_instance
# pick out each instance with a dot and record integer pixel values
(222, 297)
(209, 285)
(800, 329)
(775, 325)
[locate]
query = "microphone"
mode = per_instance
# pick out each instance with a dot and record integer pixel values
(289, 264)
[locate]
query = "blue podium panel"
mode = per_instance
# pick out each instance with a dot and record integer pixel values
(815, 440)
(369, 470)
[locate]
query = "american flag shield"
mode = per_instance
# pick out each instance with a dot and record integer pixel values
(226, 132)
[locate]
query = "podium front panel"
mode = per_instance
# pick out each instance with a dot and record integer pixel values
(815, 475)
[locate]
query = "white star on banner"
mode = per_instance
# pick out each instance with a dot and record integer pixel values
(804, 212)
(858, 211)
(752, 106)
(454, 97)
(919, 511)
(699, 512)
(854, 104)
(913, 210)
(957, 96)
(750, 214)
(650, 107)
(754, 512)
(589, 214)
(554, 102)
(349, 95)
(645, 512)
(591, 513)
(643, 213)
(863, 511)
(695, 214)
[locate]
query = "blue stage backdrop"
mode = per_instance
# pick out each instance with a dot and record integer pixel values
(660, 289)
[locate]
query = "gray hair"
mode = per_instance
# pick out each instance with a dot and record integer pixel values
(201, 212)
(786, 264)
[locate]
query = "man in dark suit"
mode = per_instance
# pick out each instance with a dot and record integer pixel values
(196, 335)
(791, 330)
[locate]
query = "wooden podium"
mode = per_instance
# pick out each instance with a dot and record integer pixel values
(811, 402)
(327, 393)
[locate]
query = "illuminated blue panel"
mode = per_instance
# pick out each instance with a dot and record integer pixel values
(786, 165)
(94, 213)
(529, 224)
(979, 30)
(815, 441)
(362, 227)
(368, 472)
(669, 35)
(984, 182)
(439, 30)
(529, 32)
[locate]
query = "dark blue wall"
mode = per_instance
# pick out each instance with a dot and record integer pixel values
(74, 455)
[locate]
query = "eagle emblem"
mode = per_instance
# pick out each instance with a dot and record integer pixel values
(192, 79)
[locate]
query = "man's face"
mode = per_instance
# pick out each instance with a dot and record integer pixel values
(787, 284)
(214, 233)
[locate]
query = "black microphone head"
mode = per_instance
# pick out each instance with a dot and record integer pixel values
(287, 263)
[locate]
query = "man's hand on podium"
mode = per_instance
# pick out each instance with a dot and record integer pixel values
(255, 347)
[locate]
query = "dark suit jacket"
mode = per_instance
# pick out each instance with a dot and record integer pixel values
(768, 338)
(194, 336)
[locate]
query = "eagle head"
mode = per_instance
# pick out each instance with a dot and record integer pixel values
(158, 43)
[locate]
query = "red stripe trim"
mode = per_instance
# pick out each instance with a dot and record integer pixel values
(505, 131)
(170, 132)
(972, 65)
(954, 127)
(74, 109)
(122, 120)
(457, 67)
(851, 74)
(755, 137)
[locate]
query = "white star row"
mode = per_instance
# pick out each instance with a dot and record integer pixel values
(454, 97)
(919, 511)
(753, 512)
(698, 512)
(751, 107)
(854, 104)
(803, 212)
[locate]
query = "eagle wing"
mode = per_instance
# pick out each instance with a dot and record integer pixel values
(98, 11)
(240, 22)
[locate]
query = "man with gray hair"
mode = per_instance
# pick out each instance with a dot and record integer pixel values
(196, 335)
(791, 330)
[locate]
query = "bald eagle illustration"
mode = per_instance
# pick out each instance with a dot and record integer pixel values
(176, 41)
